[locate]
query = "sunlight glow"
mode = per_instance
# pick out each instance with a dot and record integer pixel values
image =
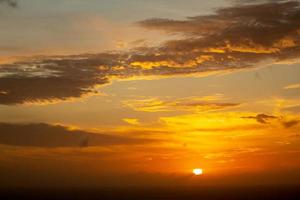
(197, 171)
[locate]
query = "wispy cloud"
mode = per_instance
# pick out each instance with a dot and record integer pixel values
(292, 86)
(265, 119)
(261, 118)
(131, 121)
(191, 104)
(221, 122)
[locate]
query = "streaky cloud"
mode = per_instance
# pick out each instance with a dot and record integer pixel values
(57, 136)
(261, 118)
(291, 123)
(192, 104)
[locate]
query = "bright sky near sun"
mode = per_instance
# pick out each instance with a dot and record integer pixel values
(136, 89)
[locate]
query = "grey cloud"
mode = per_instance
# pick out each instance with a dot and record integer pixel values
(264, 119)
(234, 38)
(53, 136)
(261, 118)
(49, 79)
(10, 3)
(246, 33)
(258, 1)
(291, 123)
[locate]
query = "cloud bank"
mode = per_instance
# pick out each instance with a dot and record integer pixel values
(234, 38)
(54, 136)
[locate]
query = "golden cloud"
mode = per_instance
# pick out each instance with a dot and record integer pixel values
(191, 104)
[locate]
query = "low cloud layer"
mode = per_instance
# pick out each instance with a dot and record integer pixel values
(234, 38)
(53, 136)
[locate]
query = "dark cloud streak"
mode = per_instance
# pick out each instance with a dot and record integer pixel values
(54, 136)
(261, 118)
(291, 123)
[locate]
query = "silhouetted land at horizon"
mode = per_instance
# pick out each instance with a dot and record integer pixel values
(174, 193)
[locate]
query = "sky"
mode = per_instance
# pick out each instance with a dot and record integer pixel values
(136, 92)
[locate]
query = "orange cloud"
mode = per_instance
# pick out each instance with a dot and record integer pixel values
(191, 104)
(131, 121)
(292, 86)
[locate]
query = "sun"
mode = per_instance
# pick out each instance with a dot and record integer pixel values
(198, 171)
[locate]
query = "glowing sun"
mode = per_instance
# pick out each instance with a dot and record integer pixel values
(198, 171)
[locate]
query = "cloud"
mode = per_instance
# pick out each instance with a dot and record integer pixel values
(264, 119)
(10, 3)
(292, 86)
(54, 136)
(257, 1)
(291, 123)
(194, 104)
(131, 121)
(234, 38)
(221, 122)
(261, 118)
(51, 79)
(294, 109)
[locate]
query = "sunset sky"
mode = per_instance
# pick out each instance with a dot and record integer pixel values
(136, 92)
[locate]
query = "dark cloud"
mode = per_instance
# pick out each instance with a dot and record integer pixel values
(258, 1)
(238, 37)
(10, 3)
(261, 118)
(50, 79)
(289, 124)
(53, 136)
